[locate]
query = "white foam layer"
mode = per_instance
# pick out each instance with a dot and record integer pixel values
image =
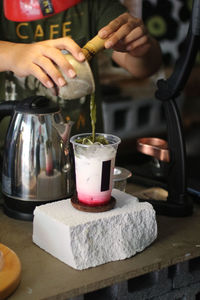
(84, 240)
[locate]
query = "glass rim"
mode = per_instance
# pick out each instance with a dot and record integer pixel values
(106, 135)
(121, 174)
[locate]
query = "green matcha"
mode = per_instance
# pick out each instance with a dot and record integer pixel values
(93, 114)
(89, 140)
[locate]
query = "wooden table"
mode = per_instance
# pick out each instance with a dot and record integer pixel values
(45, 277)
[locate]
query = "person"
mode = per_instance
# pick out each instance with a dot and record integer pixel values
(30, 50)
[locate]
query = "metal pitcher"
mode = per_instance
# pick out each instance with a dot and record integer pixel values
(37, 165)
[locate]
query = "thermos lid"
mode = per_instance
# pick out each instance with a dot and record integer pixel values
(37, 105)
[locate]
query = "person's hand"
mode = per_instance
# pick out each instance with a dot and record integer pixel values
(42, 60)
(126, 34)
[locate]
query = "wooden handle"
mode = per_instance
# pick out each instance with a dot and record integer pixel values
(93, 46)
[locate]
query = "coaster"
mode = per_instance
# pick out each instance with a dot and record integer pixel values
(95, 209)
(10, 273)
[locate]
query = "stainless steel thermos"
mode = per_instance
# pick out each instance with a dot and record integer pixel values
(37, 161)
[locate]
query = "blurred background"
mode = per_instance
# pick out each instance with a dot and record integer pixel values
(130, 109)
(129, 105)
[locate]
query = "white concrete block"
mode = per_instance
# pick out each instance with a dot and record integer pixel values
(84, 240)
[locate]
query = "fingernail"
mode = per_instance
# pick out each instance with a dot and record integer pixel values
(108, 44)
(49, 84)
(61, 81)
(71, 73)
(81, 56)
(102, 33)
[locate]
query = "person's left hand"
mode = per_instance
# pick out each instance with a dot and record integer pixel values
(126, 34)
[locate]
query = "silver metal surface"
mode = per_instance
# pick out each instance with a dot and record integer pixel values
(37, 162)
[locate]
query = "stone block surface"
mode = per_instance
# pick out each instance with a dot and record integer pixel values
(84, 240)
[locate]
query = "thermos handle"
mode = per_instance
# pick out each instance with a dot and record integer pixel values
(7, 108)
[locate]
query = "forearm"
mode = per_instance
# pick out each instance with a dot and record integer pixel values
(6, 50)
(140, 66)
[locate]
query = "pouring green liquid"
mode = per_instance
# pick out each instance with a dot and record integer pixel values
(93, 115)
(89, 140)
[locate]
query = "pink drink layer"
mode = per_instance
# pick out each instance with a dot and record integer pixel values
(93, 200)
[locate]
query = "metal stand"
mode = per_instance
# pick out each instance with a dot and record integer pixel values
(178, 202)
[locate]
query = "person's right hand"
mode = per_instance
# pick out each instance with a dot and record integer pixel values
(42, 60)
